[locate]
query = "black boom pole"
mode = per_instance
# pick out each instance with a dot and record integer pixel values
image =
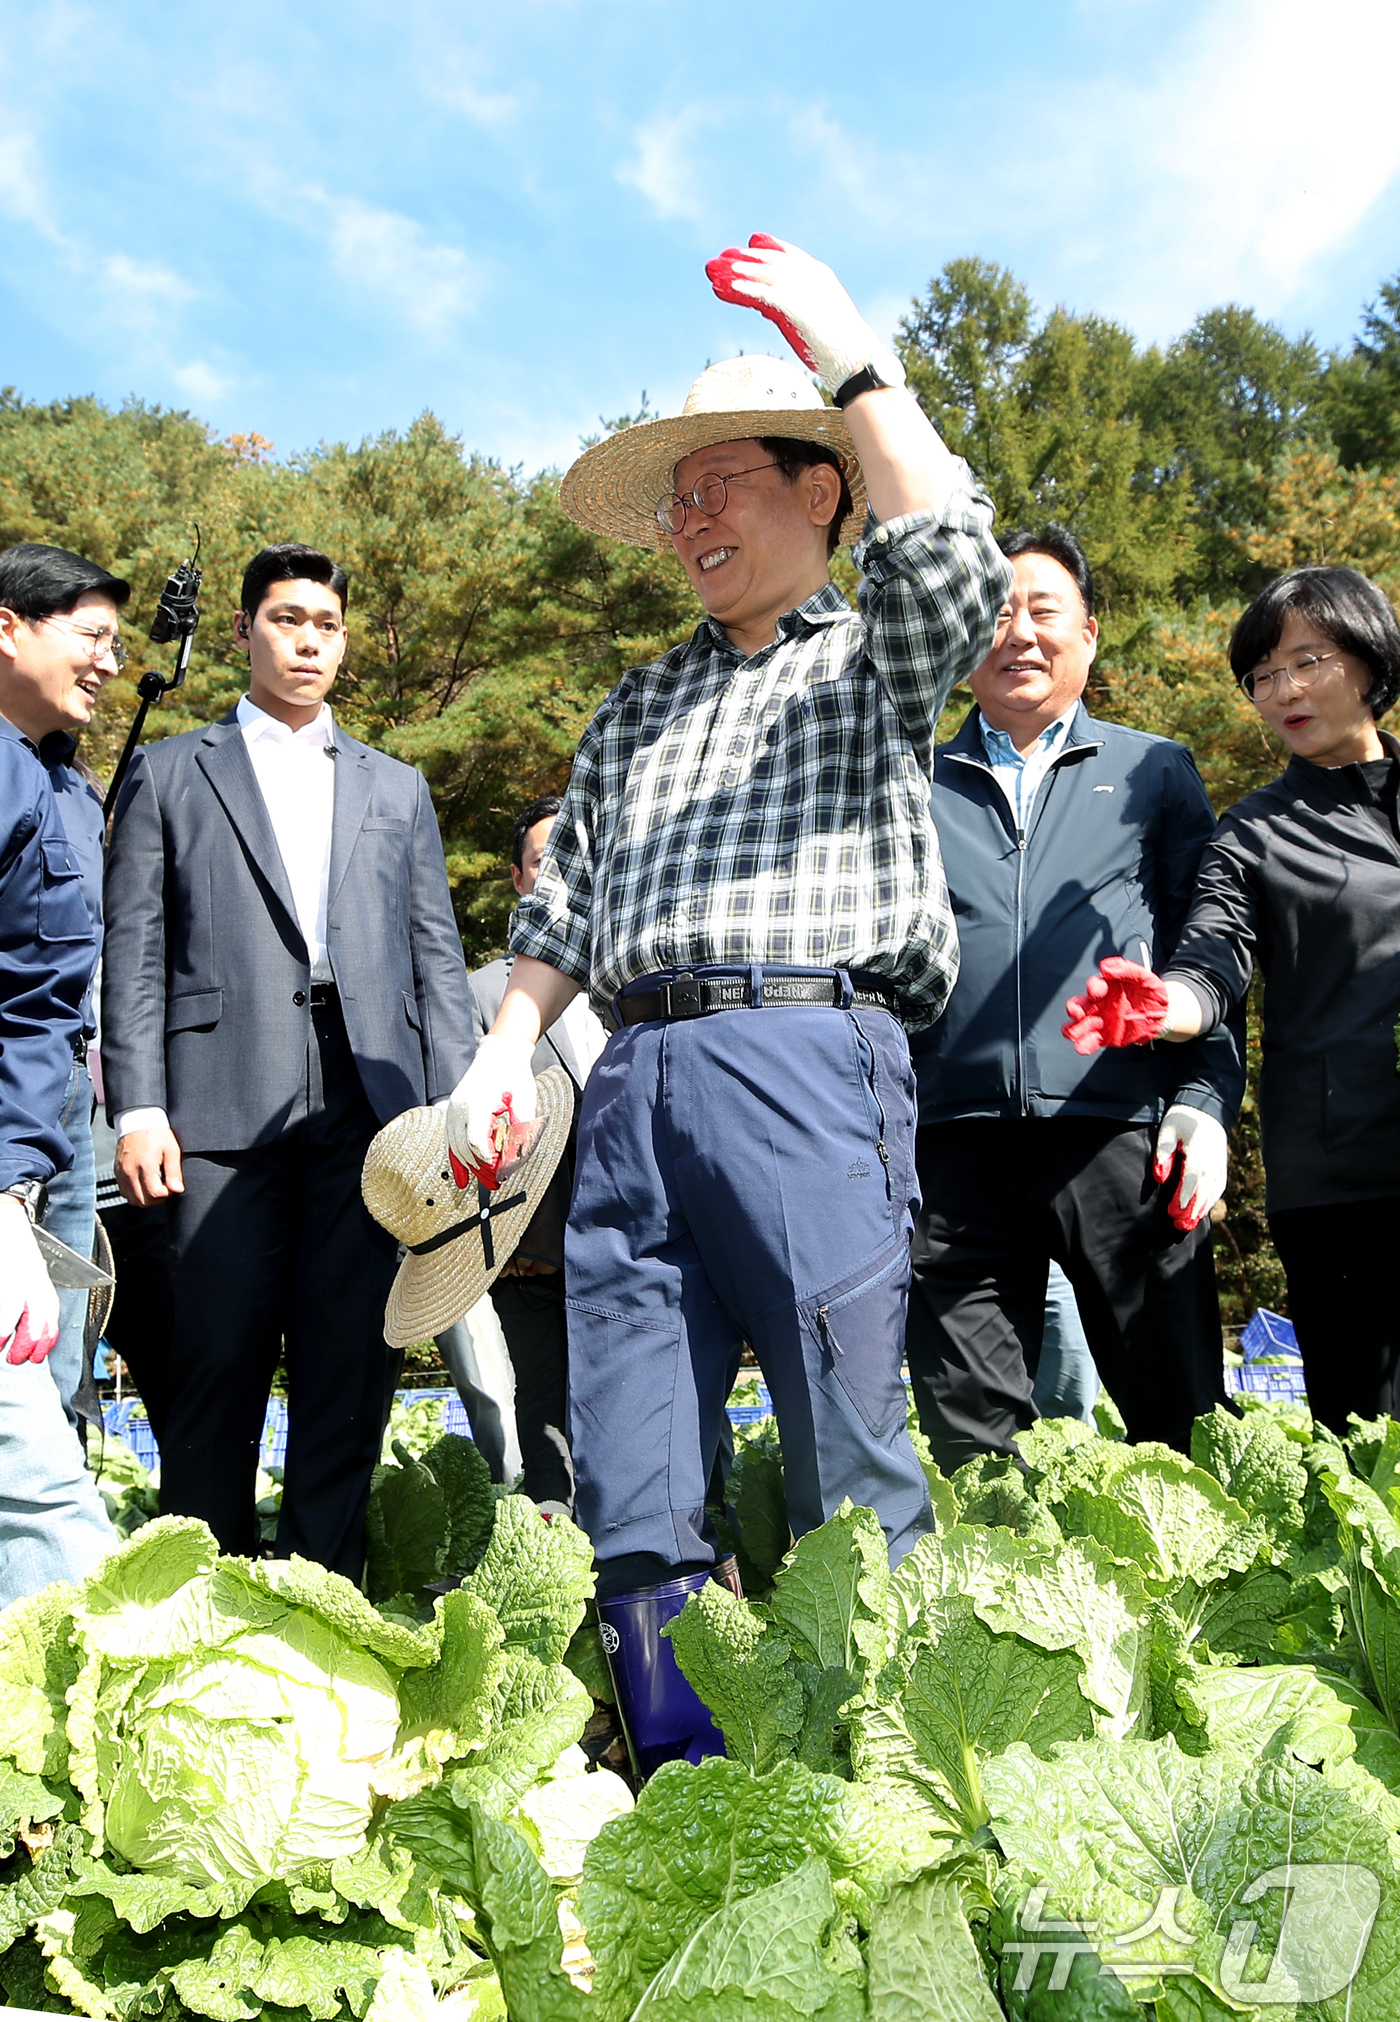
(177, 615)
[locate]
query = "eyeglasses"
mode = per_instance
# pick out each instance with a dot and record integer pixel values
(710, 497)
(105, 640)
(1302, 670)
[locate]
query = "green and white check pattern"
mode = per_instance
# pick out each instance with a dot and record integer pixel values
(776, 809)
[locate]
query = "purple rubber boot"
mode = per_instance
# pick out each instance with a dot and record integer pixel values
(664, 1719)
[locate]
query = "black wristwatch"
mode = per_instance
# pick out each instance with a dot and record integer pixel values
(864, 381)
(33, 1193)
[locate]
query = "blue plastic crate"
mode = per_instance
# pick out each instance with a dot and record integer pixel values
(749, 1414)
(1281, 1381)
(127, 1421)
(1268, 1334)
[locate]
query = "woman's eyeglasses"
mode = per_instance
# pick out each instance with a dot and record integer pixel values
(1302, 670)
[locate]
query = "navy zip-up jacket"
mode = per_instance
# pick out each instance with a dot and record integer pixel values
(46, 956)
(1107, 864)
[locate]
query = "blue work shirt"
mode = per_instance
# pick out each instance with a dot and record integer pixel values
(47, 955)
(80, 811)
(1019, 773)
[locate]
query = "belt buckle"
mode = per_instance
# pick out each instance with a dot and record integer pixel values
(683, 998)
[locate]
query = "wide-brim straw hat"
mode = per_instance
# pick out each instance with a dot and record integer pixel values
(458, 1239)
(614, 487)
(101, 1298)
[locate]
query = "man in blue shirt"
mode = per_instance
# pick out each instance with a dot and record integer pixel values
(52, 1524)
(1063, 837)
(59, 644)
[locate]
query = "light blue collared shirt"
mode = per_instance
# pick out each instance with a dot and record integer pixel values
(1017, 773)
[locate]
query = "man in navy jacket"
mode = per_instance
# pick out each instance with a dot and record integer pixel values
(1064, 839)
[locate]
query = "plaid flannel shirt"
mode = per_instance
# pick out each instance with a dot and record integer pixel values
(775, 809)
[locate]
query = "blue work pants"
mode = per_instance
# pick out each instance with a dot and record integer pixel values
(746, 1176)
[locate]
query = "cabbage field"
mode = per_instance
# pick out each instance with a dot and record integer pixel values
(1121, 1738)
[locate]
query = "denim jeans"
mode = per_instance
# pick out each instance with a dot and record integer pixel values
(53, 1522)
(72, 1217)
(1066, 1381)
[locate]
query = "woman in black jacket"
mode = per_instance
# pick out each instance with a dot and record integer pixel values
(1303, 879)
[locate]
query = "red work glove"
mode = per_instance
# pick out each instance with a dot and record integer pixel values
(492, 1110)
(722, 273)
(1204, 1151)
(1124, 1005)
(510, 1141)
(808, 304)
(28, 1301)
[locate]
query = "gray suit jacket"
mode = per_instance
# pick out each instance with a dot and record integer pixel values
(206, 976)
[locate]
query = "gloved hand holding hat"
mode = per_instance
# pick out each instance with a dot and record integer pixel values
(492, 1109)
(457, 1238)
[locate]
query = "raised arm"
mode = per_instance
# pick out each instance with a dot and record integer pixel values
(908, 467)
(934, 579)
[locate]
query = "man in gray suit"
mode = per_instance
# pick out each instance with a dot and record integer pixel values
(529, 1294)
(283, 975)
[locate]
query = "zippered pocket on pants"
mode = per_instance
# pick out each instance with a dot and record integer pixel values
(857, 1329)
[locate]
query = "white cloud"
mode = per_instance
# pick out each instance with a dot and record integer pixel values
(664, 169)
(201, 382)
(22, 186)
(1259, 145)
(144, 285)
(454, 78)
(388, 256)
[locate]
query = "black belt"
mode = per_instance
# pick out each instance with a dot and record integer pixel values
(699, 996)
(80, 1048)
(322, 993)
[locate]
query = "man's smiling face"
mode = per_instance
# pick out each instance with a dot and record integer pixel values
(764, 551)
(1042, 653)
(50, 678)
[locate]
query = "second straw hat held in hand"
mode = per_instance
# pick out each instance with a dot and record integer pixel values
(458, 1239)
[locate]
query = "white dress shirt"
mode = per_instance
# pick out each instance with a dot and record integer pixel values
(296, 778)
(585, 1031)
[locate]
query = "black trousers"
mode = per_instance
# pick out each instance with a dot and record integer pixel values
(1342, 1301)
(531, 1313)
(1000, 1198)
(273, 1250)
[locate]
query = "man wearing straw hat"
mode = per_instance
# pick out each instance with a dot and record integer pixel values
(745, 868)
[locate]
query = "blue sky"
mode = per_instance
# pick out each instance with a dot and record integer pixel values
(317, 221)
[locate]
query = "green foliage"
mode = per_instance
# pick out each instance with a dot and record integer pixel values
(485, 627)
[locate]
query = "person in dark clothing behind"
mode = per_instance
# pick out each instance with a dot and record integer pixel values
(1063, 837)
(529, 1294)
(1303, 880)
